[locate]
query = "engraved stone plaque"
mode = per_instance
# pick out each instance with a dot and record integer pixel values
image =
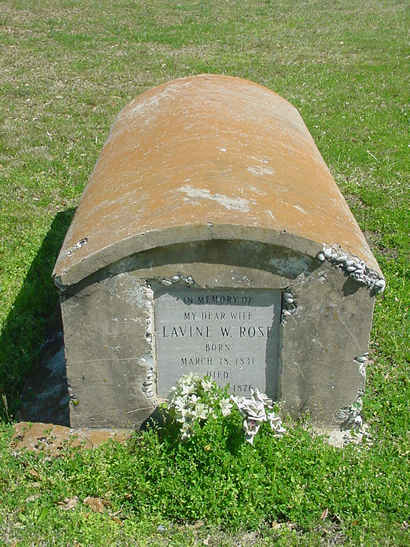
(230, 335)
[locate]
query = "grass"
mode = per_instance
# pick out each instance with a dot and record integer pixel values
(67, 68)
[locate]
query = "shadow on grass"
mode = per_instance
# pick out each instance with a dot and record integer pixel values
(31, 332)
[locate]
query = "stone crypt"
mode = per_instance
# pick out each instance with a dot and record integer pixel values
(211, 238)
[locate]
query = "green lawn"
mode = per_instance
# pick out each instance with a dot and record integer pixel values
(67, 67)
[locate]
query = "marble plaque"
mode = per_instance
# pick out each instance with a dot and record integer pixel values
(227, 334)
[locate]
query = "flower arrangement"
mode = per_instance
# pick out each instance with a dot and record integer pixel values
(194, 399)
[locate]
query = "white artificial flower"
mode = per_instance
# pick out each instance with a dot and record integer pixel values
(201, 411)
(206, 384)
(187, 388)
(259, 396)
(251, 428)
(256, 410)
(178, 403)
(252, 408)
(186, 401)
(276, 424)
(226, 406)
(191, 400)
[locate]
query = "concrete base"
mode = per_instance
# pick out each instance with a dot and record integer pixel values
(54, 439)
(110, 335)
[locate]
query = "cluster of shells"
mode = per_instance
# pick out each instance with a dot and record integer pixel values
(148, 384)
(353, 267)
(77, 246)
(288, 305)
(361, 361)
(177, 278)
(351, 417)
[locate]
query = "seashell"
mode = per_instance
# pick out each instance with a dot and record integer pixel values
(175, 278)
(327, 251)
(380, 285)
(351, 268)
(358, 420)
(321, 257)
(341, 258)
(341, 414)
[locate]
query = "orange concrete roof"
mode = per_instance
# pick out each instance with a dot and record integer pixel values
(207, 157)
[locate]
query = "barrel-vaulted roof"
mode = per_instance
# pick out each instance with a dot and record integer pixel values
(207, 157)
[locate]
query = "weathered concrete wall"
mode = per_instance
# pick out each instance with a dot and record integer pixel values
(108, 328)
